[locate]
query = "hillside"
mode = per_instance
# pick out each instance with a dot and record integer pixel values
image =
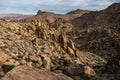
(99, 31)
(62, 21)
(108, 17)
(78, 45)
(37, 45)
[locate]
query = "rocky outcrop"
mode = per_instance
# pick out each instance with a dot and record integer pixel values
(77, 72)
(61, 24)
(67, 44)
(105, 18)
(27, 73)
(35, 44)
(98, 32)
(99, 41)
(87, 58)
(89, 71)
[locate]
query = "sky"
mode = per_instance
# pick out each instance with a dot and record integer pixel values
(57, 6)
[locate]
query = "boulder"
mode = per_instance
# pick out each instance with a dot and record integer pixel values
(46, 61)
(79, 70)
(27, 73)
(3, 56)
(89, 71)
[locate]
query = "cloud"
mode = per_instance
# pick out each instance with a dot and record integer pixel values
(58, 6)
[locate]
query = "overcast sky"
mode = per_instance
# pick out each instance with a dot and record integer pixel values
(58, 6)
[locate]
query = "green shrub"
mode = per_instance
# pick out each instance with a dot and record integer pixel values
(7, 68)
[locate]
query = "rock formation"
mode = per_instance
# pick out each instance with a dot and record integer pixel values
(27, 73)
(81, 44)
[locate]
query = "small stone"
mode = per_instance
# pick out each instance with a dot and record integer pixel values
(38, 59)
(29, 64)
(70, 51)
(7, 51)
(24, 34)
(22, 62)
(12, 38)
(33, 58)
(10, 62)
(71, 44)
(89, 71)
(46, 61)
(119, 63)
(9, 43)
(16, 63)
(3, 56)
(26, 54)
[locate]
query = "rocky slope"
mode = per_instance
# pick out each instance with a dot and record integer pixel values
(99, 33)
(62, 21)
(49, 44)
(108, 17)
(51, 17)
(37, 45)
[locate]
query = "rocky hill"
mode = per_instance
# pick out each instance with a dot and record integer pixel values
(79, 45)
(99, 30)
(108, 17)
(62, 21)
(99, 33)
(37, 45)
(51, 17)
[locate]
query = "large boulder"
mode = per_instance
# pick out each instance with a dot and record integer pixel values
(28, 73)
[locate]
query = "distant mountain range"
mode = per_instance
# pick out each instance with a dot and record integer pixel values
(44, 15)
(13, 16)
